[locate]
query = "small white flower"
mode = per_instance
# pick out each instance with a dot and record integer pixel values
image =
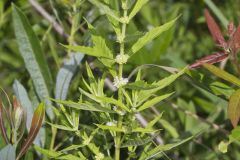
(122, 113)
(118, 82)
(115, 108)
(113, 123)
(121, 59)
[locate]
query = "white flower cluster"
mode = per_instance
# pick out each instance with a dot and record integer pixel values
(122, 113)
(99, 156)
(121, 59)
(118, 82)
(113, 123)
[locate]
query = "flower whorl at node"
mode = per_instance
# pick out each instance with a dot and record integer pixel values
(119, 82)
(121, 59)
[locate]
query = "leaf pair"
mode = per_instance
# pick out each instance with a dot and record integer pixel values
(229, 47)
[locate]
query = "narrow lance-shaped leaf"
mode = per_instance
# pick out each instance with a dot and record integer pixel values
(65, 75)
(152, 34)
(138, 5)
(210, 59)
(35, 127)
(106, 9)
(153, 101)
(161, 148)
(2, 127)
(234, 108)
(222, 74)
(214, 29)
(32, 54)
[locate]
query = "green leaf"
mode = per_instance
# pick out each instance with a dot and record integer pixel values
(153, 101)
(106, 9)
(235, 134)
(52, 154)
(84, 106)
(8, 152)
(86, 50)
(110, 128)
(152, 34)
(140, 85)
(144, 130)
(33, 56)
(37, 120)
(222, 74)
(66, 128)
(234, 108)
(161, 148)
(138, 141)
(115, 102)
(138, 5)
(169, 127)
(144, 95)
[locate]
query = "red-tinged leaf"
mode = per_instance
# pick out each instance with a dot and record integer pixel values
(210, 59)
(234, 108)
(214, 30)
(2, 127)
(37, 120)
(235, 40)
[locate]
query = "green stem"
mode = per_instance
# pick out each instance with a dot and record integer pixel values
(120, 73)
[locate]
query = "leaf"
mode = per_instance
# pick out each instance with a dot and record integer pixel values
(138, 141)
(84, 106)
(152, 34)
(2, 127)
(86, 50)
(144, 95)
(153, 101)
(22, 96)
(33, 56)
(52, 154)
(138, 5)
(140, 85)
(8, 152)
(65, 75)
(110, 128)
(234, 108)
(222, 74)
(106, 9)
(37, 120)
(161, 148)
(115, 102)
(235, 134)
(169, 127)
(66, 128)
(144, 130)
(214, 29)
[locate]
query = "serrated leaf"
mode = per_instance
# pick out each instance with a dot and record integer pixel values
(106, 9)
(234, 108)
(65, 75)
(33, 56)
(138, 5)
(37, 120)
(84, 106)
(153, 101)
(222, 74)
(115, 102)
(152, 34)
(110, 128)
(138, 141)
(140, 85)
(66, 128)
(52, 154)
(161, 148)
(144, 95)
(8, 152)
